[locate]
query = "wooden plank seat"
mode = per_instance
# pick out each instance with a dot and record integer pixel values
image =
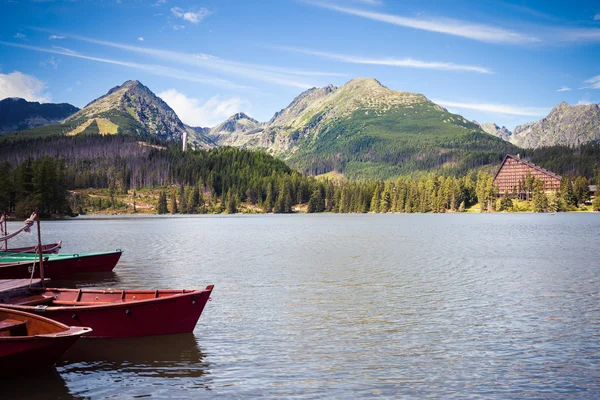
(9, 324)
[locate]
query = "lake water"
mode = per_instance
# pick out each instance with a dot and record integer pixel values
(347, 306)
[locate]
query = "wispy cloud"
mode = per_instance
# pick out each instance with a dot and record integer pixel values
(28, 87)
(495, 108)
(370, 2)
(19, 36)
(150, 68)
(59, 48)
(576, 35)
(55, 37)
(480, 32)
(391, 62)
(196, 112)
(52, 62)
(191, 16)
(584, 102)
(597, 17)
(141, 39)
(564, 89)
(264, 73)
(593, 83)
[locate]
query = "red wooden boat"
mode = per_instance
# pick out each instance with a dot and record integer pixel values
(63, 268)
(30, 341)
(51, 248)
(98, 262)
(118, 313)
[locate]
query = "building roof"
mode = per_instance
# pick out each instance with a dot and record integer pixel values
(532, 165)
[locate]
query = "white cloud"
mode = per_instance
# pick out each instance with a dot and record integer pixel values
(28, 87)
(178, 27)
(564, 89)
(392, 62)
(191, 16)
(141, 39)
(481, 32)
(593, 83)
(597, 17)
(195, 112)
(584, 102)
(496, 108)
(19, 36)
(55, 37)
(150, 68)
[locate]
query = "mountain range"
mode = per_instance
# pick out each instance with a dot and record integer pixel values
(361, 129)
(565, 125)
(18, 114)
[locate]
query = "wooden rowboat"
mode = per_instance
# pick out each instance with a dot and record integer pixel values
(51, 248)
(30, 341)
(117, 313)
(58, 266)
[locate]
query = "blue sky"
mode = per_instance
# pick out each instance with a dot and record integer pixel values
(504, 61)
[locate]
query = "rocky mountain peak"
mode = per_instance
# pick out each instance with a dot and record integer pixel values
(493, 129)
(241, 116)
(131, 108)
(364, 82)
(565, 125)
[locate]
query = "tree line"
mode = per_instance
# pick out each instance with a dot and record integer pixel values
(37, 183)
(235, 180)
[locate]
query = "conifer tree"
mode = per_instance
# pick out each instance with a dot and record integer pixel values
(375, 200)
(173, 202)
(162, 203)
(231, 202)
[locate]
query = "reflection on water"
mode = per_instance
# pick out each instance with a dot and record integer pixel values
(347, 306)
(90, 280)
(36, 384)
(171, 363)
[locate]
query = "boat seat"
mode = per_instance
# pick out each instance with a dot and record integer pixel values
(10, 324)
(32, 300)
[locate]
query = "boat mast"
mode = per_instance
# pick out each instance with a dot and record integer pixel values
(37, 218)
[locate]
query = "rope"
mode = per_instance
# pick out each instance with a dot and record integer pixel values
(33, 268)
(26, 228)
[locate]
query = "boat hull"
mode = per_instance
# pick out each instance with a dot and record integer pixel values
(63, 268)
(98, 262)
(37, 352)
(118, 314)
(42, 347)
(51, 248)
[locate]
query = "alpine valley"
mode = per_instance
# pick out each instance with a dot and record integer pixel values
(362, 130)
